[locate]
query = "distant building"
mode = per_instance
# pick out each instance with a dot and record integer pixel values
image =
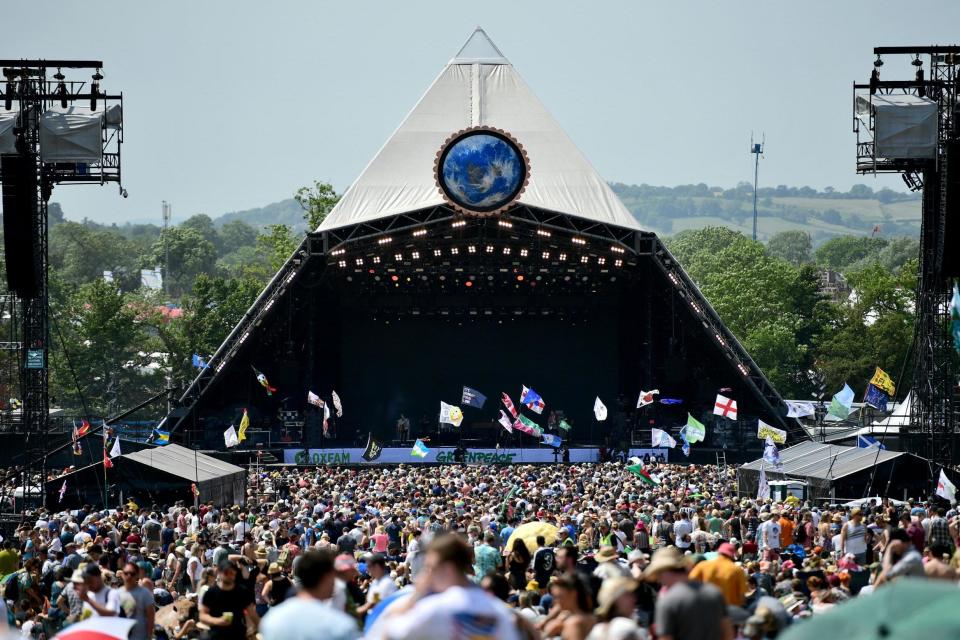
(834, 285)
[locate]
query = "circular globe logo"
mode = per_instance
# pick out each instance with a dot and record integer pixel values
(481, 170)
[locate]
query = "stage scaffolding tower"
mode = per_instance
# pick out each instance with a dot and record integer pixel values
(934, 410)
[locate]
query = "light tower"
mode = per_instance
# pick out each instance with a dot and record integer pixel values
(756, 148)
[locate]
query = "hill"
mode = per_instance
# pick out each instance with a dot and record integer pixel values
(286, 212)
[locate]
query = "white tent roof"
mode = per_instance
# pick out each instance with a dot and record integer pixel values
(478, 87)
(900, 416)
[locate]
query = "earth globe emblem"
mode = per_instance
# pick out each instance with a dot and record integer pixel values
(481, 170)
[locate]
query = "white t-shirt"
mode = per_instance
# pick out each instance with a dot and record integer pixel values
(682, 528)
(239, 529)
(106, 597)
(769, 535)
(458, 612)
(381, 588)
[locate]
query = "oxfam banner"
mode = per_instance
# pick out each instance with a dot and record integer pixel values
(443, 455)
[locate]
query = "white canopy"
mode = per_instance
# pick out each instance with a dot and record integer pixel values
(478, 87)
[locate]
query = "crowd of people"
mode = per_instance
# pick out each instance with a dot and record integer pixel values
(582, 551)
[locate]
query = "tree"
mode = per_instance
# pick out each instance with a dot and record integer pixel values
(792, 246)
(81, 254)
(841, 252)
(277, 244)
(317, 201)
(190, 255)
(202, 223)
(235, 235)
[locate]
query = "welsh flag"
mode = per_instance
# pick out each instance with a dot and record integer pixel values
(528, 426)
(640, 471)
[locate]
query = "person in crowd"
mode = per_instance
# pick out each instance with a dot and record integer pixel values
(227, 607)
(136, 603)
(723, 574)
(686, 610)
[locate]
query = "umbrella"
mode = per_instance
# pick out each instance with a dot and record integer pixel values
(98, 628)
(529, 531)
(906, 608)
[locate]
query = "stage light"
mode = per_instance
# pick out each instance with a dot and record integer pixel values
(617, 249)
(545, 255)
(437, 253)
(394, 277)
(673, 278)
(359, 262)
(376, 259)
(584, 259)
(489, 278)
(338, 252)
(244, 337)
(618, 262)
(543, 232)
(61, 89)
(601, 260)
(696, 307)
(385, 240)
(468, 283)
(506, 251)
(576, 240)
(454, 251)
(878, 62)
(566, 278)
(398, 257)
(520, 278)
(489, 248)
(719, 339)
(523, 253)
(459, 223)
(342, 263)
(419, 232)
(416, 255)
(471, 249)
(743, 369)
(563, 257)
(505, 223)
(95, 90)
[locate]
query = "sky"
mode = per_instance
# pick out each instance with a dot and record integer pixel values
(235, 104)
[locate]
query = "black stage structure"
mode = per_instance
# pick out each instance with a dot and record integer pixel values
(396, 312)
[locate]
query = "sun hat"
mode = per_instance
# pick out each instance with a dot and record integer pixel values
(273, 569)
(605, 554)
(610, 592)
(664, 559)
(727, 549)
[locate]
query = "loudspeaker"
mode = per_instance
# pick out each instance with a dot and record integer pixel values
(950, 266)
(19, 177)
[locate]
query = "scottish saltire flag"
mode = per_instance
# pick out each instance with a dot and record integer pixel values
(532, 399)
(419, 450)
(865, 442)
(696, 432)
(564, 425)
(671, 401)
(955, 317)
(508, 403)
(450, 414)
(337, 404)
(799, 409)
(876, 397)
(199, 362)
(505, 421)
(646, 397)
(763, 489)
(552, 440)
(771, 454)
(883, 381)
(230, 438)
(161, 437)
(599, 410)
(473, 398)
(726, 407)
(660, 438)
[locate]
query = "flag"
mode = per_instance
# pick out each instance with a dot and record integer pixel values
(337, 404)
(671, 401)
(84, 429)
(450, 414)
(326, 419)
(194, 490)
(726, 407)
(799, 409)
(262, 379)
(419, 450)
(599, 410)
(314, 399)
(230, 438)
(865, 442)
(373, 450)
(685, 447)
(508, 403)
(876, 397)
(881, 380)
(763, 489)
(472, 398)
(107, 463)
(842, 403)
(244, 424)
(532, 399)
(552, 440)
(771, 454)
(161, 437)
(955, 317)
(505, 421)
(765, 431)
(644, 475)
(660, 438)
(696, 432)
(63, 490)
(564, 425)
(945, 488)
(528, 426)
(198, 362)
(77, 447)
(646, 397)
(115, 450)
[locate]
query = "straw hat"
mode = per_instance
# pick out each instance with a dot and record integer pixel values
(610, 592)
(273, 569)
(606, 554)
(664, 559)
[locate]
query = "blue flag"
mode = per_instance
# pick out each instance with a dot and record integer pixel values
(552, 440)
(671, 401)
(865, 442)
(161, 437)
(473, 398)
(686, 445)
(876, 397)
(199, 362)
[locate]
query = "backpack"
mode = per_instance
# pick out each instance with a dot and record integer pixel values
(800, 534)
(11, 587)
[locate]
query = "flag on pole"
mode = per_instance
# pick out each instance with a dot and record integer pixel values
(532, 399)
(771, 454)
(161, 437)
(660, 438)
(505, 421)
(686, 444)
(508, 403)
(77, 447)
(552, 440)
(337, 404)
(373, 449)
(115, 450)
(63, 490)
(450, 414)
(646, 397)
(696, 432)
(955, 317)
(946, 489)
(84, 428)
(198, 362)
(326, 420)
(865, 442)
(842, 403)
(528, 426)
(671, 401)
(472, 398)
(876, 397)
(599, 410)
(640, 471)
(194, 490)
(262, 379)
(763, 489)
(314, 399)
(107, 463)
(564, 425)
(419, 450)
(725, 407)
(244, 424)
(799, 409)
(765, 431)
(230, 438)
(882, 381)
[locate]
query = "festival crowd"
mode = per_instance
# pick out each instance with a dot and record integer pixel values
(584, 551)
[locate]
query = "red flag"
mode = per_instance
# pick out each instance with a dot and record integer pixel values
(107, 462)
(84, 428)
(508, 403)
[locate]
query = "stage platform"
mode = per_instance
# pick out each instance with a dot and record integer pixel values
(445, 455)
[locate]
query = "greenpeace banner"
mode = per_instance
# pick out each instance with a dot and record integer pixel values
(444, 455)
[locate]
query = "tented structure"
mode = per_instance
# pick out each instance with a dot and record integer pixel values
(157, 475)
(838, 473)
(478, 247)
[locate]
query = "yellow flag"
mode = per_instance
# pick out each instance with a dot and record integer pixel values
(244, 423)
(882, 381)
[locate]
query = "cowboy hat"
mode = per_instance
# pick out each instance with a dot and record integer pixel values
(610, 592)
(664, 559)
(605, 554)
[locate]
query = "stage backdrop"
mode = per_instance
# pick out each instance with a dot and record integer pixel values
(444, 455)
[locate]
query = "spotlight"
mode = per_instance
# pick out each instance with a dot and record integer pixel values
(601, 260)
(61, 88)
(338, 252)
(394, 277)
(376, 259)
(618, 263)
(520, 278)
(584, 259)
(398, 257)
(342, 263)
(506, 251)
(523, 253)
(359, 262)
(416, 255)
(95, 89)
(385, 240)
(543, 232)
(437, 252)
(579, 241)
(459, 223)
(489, 248)
(468, 283)
(454, 251)
(471, 249)
(617, 249)
(505, 223)
(878, 62)
(419, 232)
(545, 255)
(563, 257)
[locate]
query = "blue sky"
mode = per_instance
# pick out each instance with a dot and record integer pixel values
(234, 104)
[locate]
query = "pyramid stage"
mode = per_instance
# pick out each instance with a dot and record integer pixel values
(479, 248)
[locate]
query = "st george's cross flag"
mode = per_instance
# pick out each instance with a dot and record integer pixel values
(450, 414)
(946, 489)
(726, 407)
(505, 421)
(472, 398)
(508, 403)
(532, 399)
(337, 404)
(660, 438)
(646, 397)
(599, 410)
